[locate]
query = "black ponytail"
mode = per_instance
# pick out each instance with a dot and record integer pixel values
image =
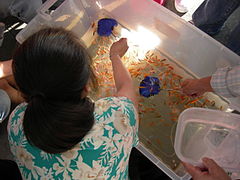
(52, 69)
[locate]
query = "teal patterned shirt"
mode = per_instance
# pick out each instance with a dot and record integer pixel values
(102, 154)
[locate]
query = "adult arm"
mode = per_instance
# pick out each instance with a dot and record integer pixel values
(224, 82)
(197, 87)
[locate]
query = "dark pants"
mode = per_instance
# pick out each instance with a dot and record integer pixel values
(9, 170)
(140, 168)
(212, 14)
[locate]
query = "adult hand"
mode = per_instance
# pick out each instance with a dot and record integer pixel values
(213, 171)
(119, 48)
(196, 87)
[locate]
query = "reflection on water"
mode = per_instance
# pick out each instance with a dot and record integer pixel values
(157, 114)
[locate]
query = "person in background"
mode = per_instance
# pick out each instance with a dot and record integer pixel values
(24, 10)
(211, 16)
(59, 132)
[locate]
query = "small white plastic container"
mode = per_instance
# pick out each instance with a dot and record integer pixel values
(209, 133)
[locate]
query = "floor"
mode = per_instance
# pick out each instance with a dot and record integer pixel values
(141, 167)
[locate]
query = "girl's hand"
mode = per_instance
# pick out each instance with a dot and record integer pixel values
(119, 48)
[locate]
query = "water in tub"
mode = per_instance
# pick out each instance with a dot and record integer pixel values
(157, 114)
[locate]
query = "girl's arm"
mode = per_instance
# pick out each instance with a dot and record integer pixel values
(122, 78)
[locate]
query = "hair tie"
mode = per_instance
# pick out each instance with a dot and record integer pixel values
(37, 96)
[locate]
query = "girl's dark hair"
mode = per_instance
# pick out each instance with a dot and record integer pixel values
(52, 69)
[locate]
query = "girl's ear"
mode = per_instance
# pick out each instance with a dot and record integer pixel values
(85, 91)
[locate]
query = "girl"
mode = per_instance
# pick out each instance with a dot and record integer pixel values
(58, 132)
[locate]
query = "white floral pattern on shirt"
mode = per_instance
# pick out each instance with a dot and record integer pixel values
(102, 154)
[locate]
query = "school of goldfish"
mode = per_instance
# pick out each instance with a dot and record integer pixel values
(159, 111)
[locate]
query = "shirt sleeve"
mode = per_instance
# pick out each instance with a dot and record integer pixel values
(120, 114)
(226, 82)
